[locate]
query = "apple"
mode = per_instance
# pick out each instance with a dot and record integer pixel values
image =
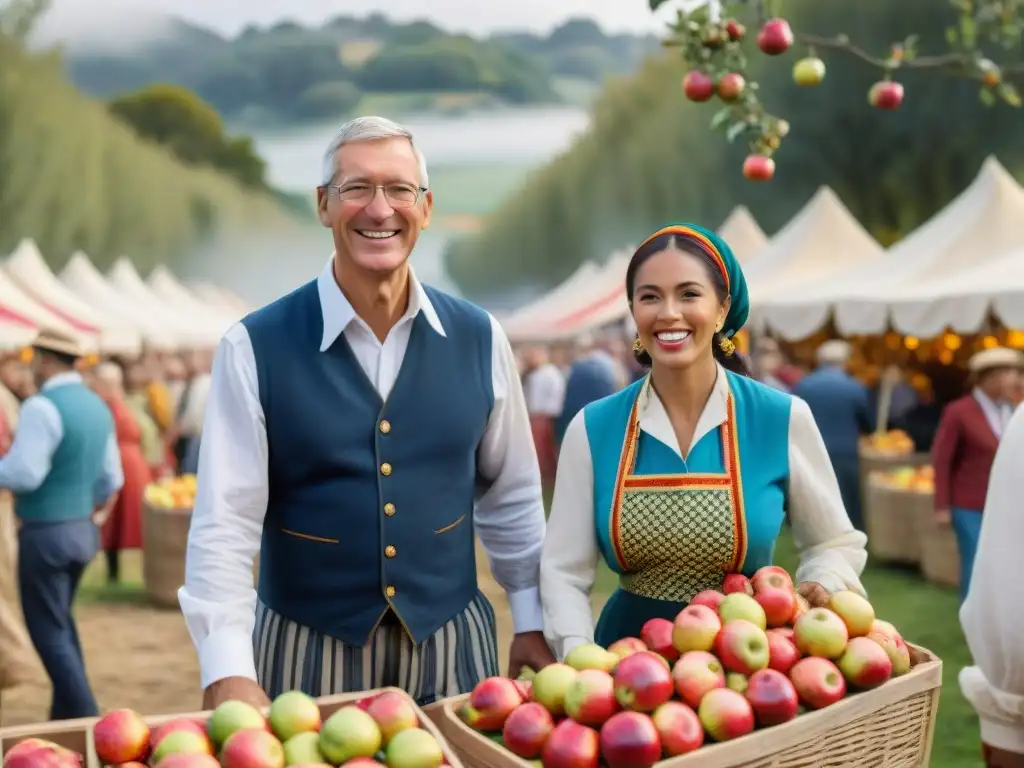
(526, 730)
(158, 732)
(773, 697)
(627, 646)
(865, 664)
(726, 714)
(775, 37)
(820, 632)
(413, 748)
(712, 598)
(121, 736)
(857, 613)
(782, 652)
(886, 635)
(696, 673)
(886, 94)
(348, 733)
(571, 745)
(643, 682)
(657, 635)
(809, 71)
(786, 632)
(551, 685)
(233, 716)
(695, 629)
(195, 761)
(303, 748)
(678, 727)
(294, 712)
(630, 740)
(818, 682)
(778, 602)
(771, 576)
(802, 607)
(39, 753)
(758, 168)
(182, 743)
(252, 748)
(730, 86)
(591, 656)
(735, 30)
(591, 698)
(698, 86)
(394, 712)
(739, 605)
(742, 647)
(491, 701)
(737, 582)
(734, 681)
(525, 688)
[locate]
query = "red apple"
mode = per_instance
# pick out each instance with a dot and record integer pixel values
(856, 612)
(626, 646)
(491, 701)
(526, 730)
(772, 696)
(782, 652)
(775, 37)
(196, 761)
(818, 682)
(630, 740)
(886, 94)
(395, 712)
(678, 727)
(182, 742)
(786, 632)
(802, 607)
(809, 71)
(865, 664)
(726, 714)
(525, 689)
(742, 647)
(571, 745)
(712, 598)
(158, 732)
(820, 632)
(695, 629)
(643, 682)
(590, 699)
(696, 673)
(779, 602)
(39, 753)
(730, 86)
(737, 582)
(121, 736)
(252, 748)
(591, 656)
(886, 635)
(758, 168)
(735, 30)
(550, 686)
(698, 86)
(657, 635)
(771, 576)
(742, 606)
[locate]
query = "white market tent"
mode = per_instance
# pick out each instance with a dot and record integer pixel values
(532, 317)
(221, 297)
(165, 285)
(82, 277)
(28, 269)
(19, 307)
(743, 234)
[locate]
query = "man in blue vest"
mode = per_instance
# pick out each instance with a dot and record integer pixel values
(64, 468)
(360, 432)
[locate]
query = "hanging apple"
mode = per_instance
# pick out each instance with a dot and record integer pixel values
(758, 168)
(698, 86)
(735, 30)
(809, 71)
(886, 94)
(731, 86)
(775, 37)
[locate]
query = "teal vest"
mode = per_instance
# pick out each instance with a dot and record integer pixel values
(69, 490)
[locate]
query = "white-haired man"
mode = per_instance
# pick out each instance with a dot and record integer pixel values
(359, 431)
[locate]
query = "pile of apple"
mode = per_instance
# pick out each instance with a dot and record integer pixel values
(382, 730)
(753, 655)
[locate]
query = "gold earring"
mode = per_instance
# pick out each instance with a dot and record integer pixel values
(727, 346)
(638, 346)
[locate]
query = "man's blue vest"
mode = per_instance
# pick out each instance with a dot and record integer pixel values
(371, 501)
(69, 490)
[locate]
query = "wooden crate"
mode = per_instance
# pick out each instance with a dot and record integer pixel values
(872, 461)
(889, 727)
(893, 518)
(76, 735)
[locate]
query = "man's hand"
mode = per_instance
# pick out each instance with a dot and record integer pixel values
(529, 649)
(943, 516)
(815, 594)
(235, 689)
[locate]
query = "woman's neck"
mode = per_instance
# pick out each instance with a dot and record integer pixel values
(685, 391)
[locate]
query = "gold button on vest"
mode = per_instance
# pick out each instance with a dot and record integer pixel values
(390, 591)
(390, 551)
(385, 469)
(385, 426)
(389, 509)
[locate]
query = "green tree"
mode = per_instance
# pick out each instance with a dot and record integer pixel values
(327, 100)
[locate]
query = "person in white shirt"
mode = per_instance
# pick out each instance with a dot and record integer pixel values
(686, 475)
(544, 389)
(359, 433)
(992, 615)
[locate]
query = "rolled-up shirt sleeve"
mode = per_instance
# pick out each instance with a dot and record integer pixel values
(111, 479)
(218, 599)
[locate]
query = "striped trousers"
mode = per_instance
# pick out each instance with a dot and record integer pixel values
(450, 662)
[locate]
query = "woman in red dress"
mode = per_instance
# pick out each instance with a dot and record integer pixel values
(123, 529)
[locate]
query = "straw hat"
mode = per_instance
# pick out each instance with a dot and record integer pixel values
(49, 340)
(997, 357)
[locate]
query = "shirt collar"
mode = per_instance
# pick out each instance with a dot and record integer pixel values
(338, 311)
(655, 422)
(68, 377)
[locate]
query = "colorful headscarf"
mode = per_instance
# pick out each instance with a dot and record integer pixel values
(721, 254)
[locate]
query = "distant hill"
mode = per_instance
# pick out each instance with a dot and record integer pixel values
(288, 73)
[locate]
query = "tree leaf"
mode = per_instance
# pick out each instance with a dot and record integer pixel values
(734, 131)
(656, 4)
(720, 117)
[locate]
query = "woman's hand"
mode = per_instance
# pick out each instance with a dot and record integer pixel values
(815, 594)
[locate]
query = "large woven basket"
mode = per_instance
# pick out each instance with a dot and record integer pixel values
(940, 557)
(873, 461)
(164, 539)
(893, 518)
(889, 727)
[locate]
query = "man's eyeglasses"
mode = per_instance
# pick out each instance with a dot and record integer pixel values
(398, 195)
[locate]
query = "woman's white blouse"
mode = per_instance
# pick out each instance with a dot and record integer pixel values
(832, 551)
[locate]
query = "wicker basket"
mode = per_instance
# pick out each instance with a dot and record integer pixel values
(889, 727)
(873, 461)
(940, 557)
(164, 539)
(893, 519)
(76, 735)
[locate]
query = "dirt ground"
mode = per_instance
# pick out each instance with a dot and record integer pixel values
(143, 658)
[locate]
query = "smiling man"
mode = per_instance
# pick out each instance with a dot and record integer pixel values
(359, 431)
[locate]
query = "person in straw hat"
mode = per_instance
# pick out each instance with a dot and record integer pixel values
(965, 447)
(65, 471)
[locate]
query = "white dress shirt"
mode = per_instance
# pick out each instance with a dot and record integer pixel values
(218, 599)
(997, 414)
(544, 389)
(992, 616)
(832, 551)
(40, 430)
